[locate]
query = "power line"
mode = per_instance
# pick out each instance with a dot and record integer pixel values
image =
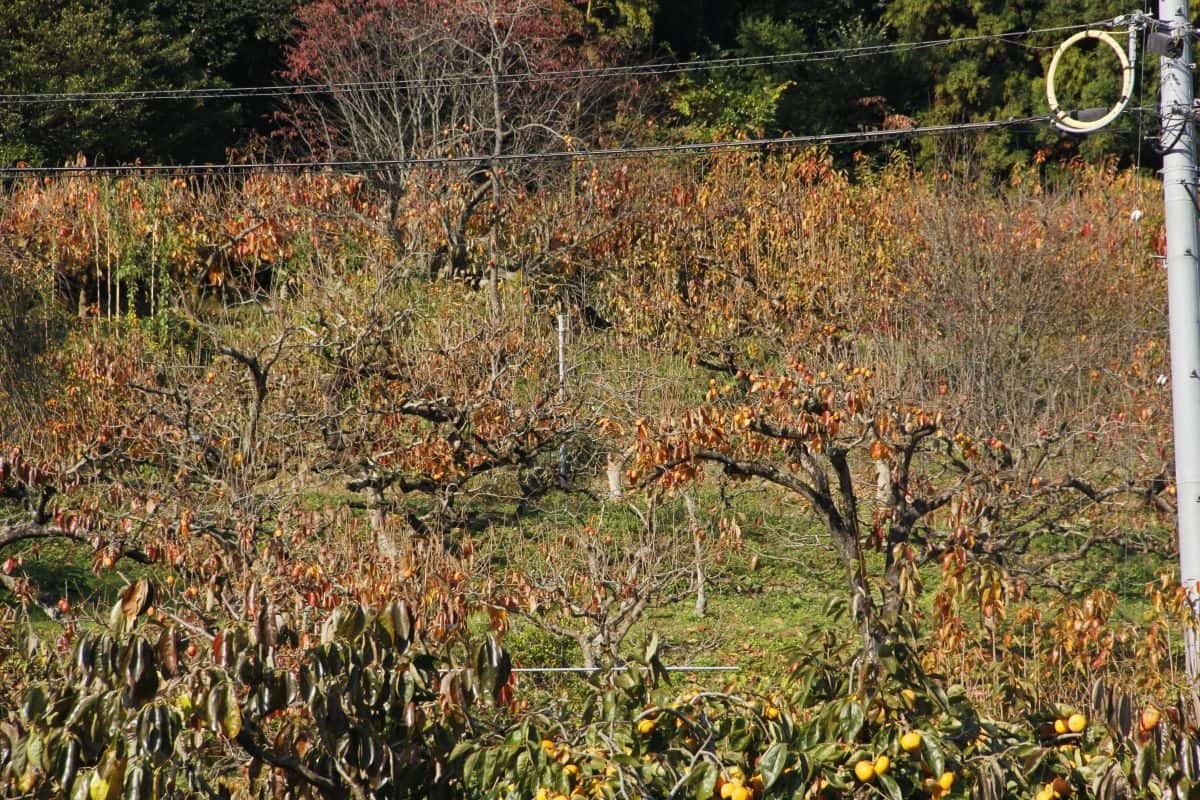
(380, 165)
(468, 79)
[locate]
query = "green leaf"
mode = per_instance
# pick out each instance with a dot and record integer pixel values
(836, 608)
(33, 709)
(1145, 765)
(141, 672)
(97, 787)
(488, 769)
(850, 720)
(81, 789)
(523, 763)
(214, 707)
(116, 618)
(401, 617)
(825, 753)
(609, 711)
(470, 767)
(651, 651)
(231, 721)
(932, 755)
(463, 746)
(70, 763)
(493, 667)
(935, 691)
(35, 752)
(742, 735)
(889, 787)
(135, 779)
(352, 621)
(109, 776)
(702, 780)
(772, 764)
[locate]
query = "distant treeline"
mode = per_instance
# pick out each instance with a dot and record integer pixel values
(132, 45)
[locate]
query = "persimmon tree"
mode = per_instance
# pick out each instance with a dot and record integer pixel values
(441, 94)
(294, 464)
(383, 399)
(419, 404)
(359, 705)
(893, 477)
(593, 583)
(205, 473)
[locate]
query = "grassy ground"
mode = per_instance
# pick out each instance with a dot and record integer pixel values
(775, 584)
(64, 570)
(767, 585)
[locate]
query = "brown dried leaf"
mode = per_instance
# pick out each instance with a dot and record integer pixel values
(136, 598)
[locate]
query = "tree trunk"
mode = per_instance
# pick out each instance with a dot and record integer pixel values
(493, 290)
(587, 649)
(377, 505)
(612, 467)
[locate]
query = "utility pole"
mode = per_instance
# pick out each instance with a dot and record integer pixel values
(1179, 179)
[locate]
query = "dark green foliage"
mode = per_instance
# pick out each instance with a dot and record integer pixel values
(138, 710)
(114, 46)
(120, 45)
(80, 47)
(230, 43)
(800, 97)
(998, 80)
(969, 81)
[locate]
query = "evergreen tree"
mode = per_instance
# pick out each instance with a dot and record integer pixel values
(116, 46)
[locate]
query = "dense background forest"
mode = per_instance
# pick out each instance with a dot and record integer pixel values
(102, 46)
(471, 453)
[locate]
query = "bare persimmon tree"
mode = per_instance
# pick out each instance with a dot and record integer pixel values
(440, 96)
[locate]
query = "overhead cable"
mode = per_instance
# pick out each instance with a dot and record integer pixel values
(470, 79)
(476, 161)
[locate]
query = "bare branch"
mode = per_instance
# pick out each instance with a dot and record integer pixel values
(327, 785)
(29, 531)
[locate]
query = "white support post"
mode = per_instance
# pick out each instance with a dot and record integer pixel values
(1183, 289)
(562, 358)
(562, 394)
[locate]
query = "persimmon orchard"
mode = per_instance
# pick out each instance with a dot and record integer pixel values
(312, 504)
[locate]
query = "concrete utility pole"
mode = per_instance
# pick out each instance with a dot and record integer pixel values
(1183, 291)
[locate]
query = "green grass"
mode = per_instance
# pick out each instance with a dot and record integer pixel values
(770, 591)
(62, 569)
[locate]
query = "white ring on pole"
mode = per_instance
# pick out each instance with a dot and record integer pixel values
(1065, 121)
